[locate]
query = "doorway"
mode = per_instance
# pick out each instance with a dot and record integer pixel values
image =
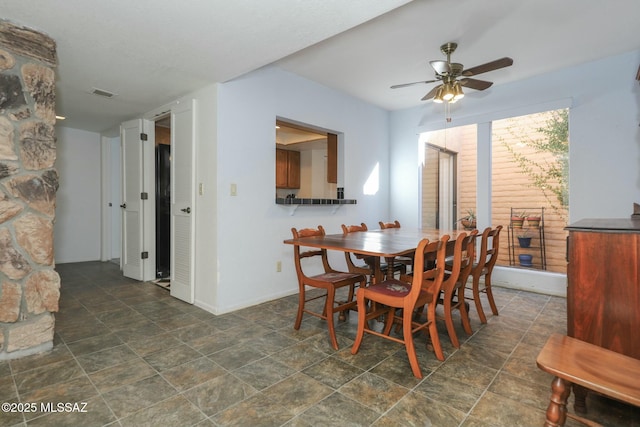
(163, 200)
(439, 187)
(139, 206)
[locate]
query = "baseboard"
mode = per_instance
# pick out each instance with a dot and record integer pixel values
(542, 282)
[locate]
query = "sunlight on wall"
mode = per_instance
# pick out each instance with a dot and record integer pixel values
(372, 185)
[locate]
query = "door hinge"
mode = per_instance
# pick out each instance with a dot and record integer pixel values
(144, 255)
(144, 196)
(143, 136)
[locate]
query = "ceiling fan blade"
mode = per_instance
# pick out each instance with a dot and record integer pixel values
(475, 84)
(431, 93)
(489, 66)
(440, 67)
(413, 83)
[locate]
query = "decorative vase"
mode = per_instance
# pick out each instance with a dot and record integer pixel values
(468, 224)
(526, 260)
(525, 242)
(533, 221)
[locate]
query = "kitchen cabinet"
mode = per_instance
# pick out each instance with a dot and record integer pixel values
(332, 158)
(287, 168)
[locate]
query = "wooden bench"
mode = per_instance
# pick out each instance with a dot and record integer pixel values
(572, 361)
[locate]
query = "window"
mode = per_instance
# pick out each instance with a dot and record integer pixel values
(529, 169)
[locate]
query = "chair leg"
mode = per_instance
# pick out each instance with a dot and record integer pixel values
(448, 320)
(408, 342)
(489, 292)
(388, 323)
(301, 301)
(329, 315)
(464, 314)
(476, 299)
(433, 333)
(362, 319)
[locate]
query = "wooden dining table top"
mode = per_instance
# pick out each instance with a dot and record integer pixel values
(387, 243)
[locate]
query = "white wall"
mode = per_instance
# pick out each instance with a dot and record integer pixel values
(77, 225)
(251, 227)
(604, 138)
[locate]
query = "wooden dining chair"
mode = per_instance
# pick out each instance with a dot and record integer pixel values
(330, 281)
(390, 296)
(458, 268)
(369, 262)
(489, 245)
(394, 224)
(406, 260)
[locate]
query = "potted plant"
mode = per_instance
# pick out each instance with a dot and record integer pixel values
(517, 219)
(533, 221)
(469, 221)
(526, 260)
(524, 239)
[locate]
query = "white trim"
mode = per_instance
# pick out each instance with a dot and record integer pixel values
(543, 282)
(105, 199)
(245, 304)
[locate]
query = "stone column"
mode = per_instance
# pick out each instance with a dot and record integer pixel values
(29, 286)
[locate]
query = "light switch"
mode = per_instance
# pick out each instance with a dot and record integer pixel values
(234, 190)
(201, 189)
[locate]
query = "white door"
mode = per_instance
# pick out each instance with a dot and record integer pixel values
(183, 201)
(131, 257)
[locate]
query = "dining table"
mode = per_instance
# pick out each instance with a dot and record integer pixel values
(383, 243)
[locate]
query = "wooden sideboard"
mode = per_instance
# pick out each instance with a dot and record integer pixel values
(603, 293)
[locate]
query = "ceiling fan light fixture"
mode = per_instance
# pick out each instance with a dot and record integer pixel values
(457, 92)
(438, 97)
(447, 92)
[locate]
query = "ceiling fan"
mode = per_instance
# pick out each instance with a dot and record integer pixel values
(453, 76)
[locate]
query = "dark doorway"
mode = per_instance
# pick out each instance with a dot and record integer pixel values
(163, 211)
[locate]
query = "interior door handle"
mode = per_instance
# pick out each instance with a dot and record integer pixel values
(186, 210)
(123, 206)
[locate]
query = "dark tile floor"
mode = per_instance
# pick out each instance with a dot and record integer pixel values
(136, 356)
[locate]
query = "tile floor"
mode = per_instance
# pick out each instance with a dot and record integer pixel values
(136, 356)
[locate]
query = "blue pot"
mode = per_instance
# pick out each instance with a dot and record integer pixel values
(525, 242)
(526, 260)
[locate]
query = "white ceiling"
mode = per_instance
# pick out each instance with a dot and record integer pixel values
(150, 52)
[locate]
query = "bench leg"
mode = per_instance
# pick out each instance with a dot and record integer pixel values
(580, 403)
(557, 409)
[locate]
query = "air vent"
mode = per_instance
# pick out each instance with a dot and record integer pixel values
(103, 93)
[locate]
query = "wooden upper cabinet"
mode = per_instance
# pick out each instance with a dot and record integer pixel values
(332, 158)
(287, 168)
(293, 169)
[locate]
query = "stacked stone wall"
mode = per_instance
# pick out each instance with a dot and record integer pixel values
(29, 285)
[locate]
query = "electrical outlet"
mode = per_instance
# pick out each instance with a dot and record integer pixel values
(234, 190)
(279, 266)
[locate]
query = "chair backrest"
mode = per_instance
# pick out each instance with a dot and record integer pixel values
(489, 246)
(299, 255)
(394, 224)
(462, 262)
(346, 229)
(430, 279)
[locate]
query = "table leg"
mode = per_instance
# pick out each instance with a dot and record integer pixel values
(378, 274)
